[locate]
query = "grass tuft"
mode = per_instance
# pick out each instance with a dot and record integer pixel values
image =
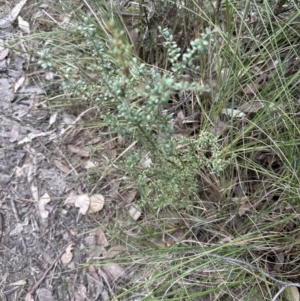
(204, 96)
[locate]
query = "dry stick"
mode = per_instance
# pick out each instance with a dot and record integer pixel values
(1, 226)
(14, 209)
(33, 289)
(72, 124)
(283, 288)
(284, 284)
(17, 217)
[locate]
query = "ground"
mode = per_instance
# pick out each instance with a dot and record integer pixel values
(69, 207)
(34, 235)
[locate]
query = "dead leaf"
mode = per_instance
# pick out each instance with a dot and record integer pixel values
(121, 141)
(23, 25)
(292, 293)
(112, 153)
(233, 113)
(19, 83)
(14, 133)
(244, 208)
(17, 283)
(134, 34)
(180, 118)
(47, 257)
(251, 89)
(113, 271)
(96, 203)
(101, 239)
(67, 256)
(49, 76)
(172, 217)
(53, 118)
(34, 191)
(7, 93)
(89, 164)
(251, 107)
(33, 90)
(115, 251)
(81, 151)
(71, 198)
(240, 200)
(93, 273)
(94, 140)
(146, 161)
(129, 196)
(4, 277)
(71, 265)
(93, 249)
(29, 297)
(96, 286)
(11, 17)
(44, 200)
(61, 167)
(4, 53)
(279, 261)
(135, 212)
(18, 228)
(115, 188)
(68, 118)
(82, 202)
(44, 294)
(219, 127)
(32, 136)
(80, 294)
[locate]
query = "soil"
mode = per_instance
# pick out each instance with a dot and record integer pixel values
(43, 240)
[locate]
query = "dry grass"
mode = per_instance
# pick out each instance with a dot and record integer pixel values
(250, 210)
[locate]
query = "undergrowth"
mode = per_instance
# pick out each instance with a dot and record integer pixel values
(208, 108)
(131, 97)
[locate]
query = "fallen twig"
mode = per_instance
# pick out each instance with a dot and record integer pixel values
(34, 288)
(55, 138)
(17, 217)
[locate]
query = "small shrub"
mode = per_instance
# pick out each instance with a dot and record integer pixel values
(132, 97)
(172, 179)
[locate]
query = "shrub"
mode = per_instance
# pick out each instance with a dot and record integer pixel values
(132, 96)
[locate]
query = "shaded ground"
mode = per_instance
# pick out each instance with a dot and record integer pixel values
(42, 239)
(45, 176)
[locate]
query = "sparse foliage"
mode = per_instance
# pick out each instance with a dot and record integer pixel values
(131, 97)
(238, 63)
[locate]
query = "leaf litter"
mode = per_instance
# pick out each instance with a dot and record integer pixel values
(40, 177)
(40, 172)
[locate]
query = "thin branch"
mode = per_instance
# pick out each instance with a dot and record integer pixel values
(33, 289)
(283, 288)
